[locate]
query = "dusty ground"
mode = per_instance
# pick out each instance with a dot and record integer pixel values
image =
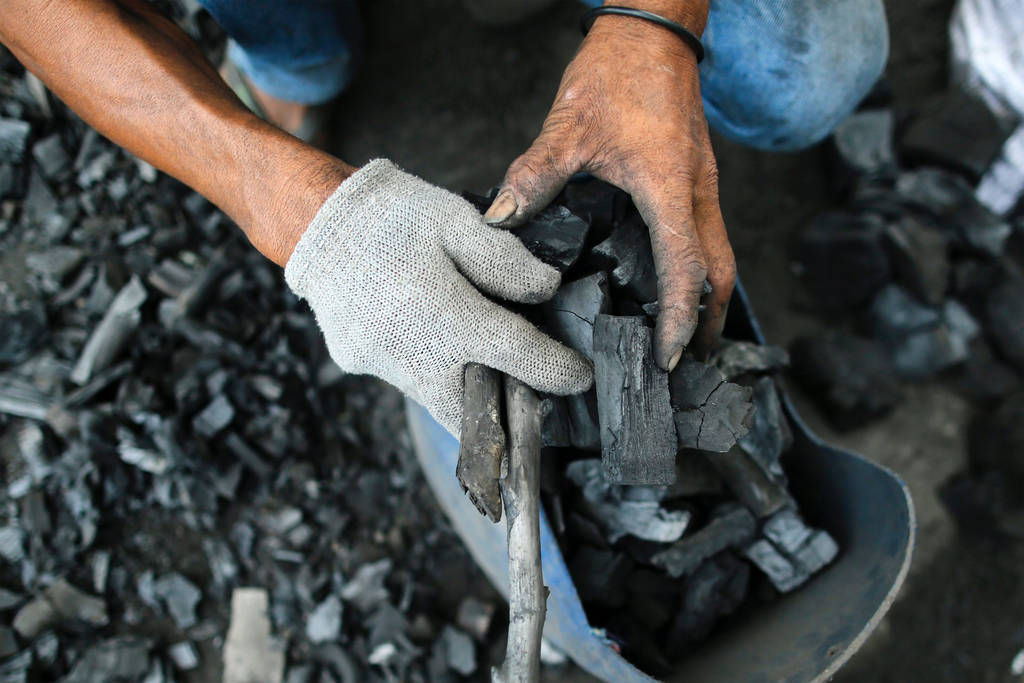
(456, 102)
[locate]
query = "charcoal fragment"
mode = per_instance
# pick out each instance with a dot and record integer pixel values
(851, 377)
(755, 488)
(1004, 312)
(920, 257)
(737, 358)
(180, 596)
(112, 334)
(716, 424)
(600, 575)
(769, 434)
(864, 141)
(22, 334)
(459, 651)
(184, 655)
(474, 617)
(366, 589)
(627, 252)
(214, 417)
(954, 129)
(51, 158)
(714, 591)
(730, 526)
(324, 622)
(842, 258)
(555, 236)
(572, 312)
(638, 442)
(8, 643)
(13, 140)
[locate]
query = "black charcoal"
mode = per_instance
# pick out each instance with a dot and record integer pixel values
(366, 588)
(737, 358)
(47, 649)
(113, 332)
(34, 617)
(115, 659)
(719, 422)
(474, 617)
(895, 315)
(12, 544)
(851, 377)
(842, 258)
(627, 252)
(10, 599)
(920, 257)
(555, 236)
(755, 488)
(864, 141)
(324, 623)
(8, 643)
(459, 650)
(638, 441)
(954, 129)
(730, 526)
(51, 158)
(1004, 317)
(15, 669)
(714, 591)
(214, 417)
(791, 552)
(13, 140)
(769, 433)
(181, 597)
(600, 575)
(482, 442)
(72, 604)
(22, 334)
(571, 313)
(184, 655)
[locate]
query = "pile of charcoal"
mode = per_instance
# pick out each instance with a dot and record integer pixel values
(663, 489)
(189, 485)
(921, 281)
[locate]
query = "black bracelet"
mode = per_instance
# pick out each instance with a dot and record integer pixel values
(690, 39)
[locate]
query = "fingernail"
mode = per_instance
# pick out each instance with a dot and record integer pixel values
(675, 360)
(502, 209)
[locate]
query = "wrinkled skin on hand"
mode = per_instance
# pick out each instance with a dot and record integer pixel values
(629, 111)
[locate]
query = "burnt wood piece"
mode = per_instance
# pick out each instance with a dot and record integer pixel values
(520, 492)
(583, 428)
(731, 526)
(570, 314)
(482, 446)
(711, 414)
(791, 552)
(113, 332)
(555, 235)
(920, 257)
(749, 483)
(715, 590)
(769, 433)
(736, 358)
(628, 252)
(1004, 312)
(638, 438)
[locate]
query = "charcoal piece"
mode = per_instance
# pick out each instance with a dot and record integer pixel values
(585, 529)
(979, 228)
(12, 544)
(571, 313)
(474, 617)
(131, 451)
(34, 617)
(842, 258)
(716, 424)
(459, 650)
(714, 591)
(920, 257)
(638, 441)
(645, 520)
(769, 433)
(181, 597)
(16, 669)
(815, 553)
(627, 251)
(864, 141)
(22, 334)
(786, 530)
(9, 599)
(247, 455)
(8, 644)
(53, 265)
(556, 428)
(99, 564)
(800, 553)
(184, 655)
(555, 235)
(691, 383)
(13, 140)
(366, 589)
(956, 130)
(928, 352)
(751, 485)
(324, 623)
(482, 456)
(730, 526)
(584, 432)
(35, 518)
(1004, 321)
(11, 185)
(336, 661)
(782, 572)
(895, 314)
(736, 358)
(214, 417)
(51, 158)
(694, 477)
(47, 649)
(72, 604)
(600, 575)
(851, 378)
(116, 659)
(112, 333)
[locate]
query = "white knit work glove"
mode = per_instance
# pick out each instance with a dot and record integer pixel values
(384, 266)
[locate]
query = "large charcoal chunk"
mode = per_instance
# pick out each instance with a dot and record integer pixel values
(954, 129)
(864, 141)
(715, 590)
(895, 315)
(570, 314)
(851, 377)
(600, 575)
(628, 252)
(717, 424)
(638, 440)
(920, 257)
(555, 236)
(791, 552)
(750, 483)
(1004, 312)
(731, 526)
(13, 140)
(843, 259)
(769, 433)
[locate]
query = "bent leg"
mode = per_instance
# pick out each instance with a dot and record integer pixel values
(781, 74)
(300, 51)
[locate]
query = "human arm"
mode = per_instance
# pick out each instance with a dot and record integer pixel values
(629, 111)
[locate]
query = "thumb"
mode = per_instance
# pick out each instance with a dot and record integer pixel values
(531, 182)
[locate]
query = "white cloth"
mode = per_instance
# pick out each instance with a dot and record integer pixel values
(384, 266)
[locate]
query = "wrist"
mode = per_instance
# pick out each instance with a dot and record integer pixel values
(690, 14)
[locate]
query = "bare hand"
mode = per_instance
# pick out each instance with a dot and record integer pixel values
(629, 111)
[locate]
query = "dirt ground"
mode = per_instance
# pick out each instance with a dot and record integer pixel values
(456, 102)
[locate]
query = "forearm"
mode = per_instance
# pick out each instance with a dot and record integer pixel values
(139, 80)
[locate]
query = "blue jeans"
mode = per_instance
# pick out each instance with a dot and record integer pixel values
(779, 74)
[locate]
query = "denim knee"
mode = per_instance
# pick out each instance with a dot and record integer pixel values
(781, 74)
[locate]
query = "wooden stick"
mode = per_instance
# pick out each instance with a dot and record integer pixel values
(520, 490)
(482, 446)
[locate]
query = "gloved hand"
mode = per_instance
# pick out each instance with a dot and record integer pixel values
(384, 266)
